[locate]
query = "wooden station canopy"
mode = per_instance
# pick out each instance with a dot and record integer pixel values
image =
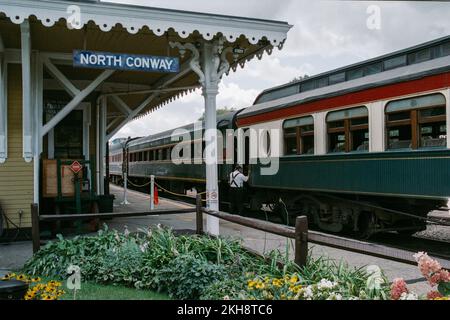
(55, 32)
(52, 38)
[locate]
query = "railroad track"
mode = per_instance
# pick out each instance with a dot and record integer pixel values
(420, 242)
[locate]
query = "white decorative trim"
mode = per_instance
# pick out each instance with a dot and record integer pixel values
(3, 110)
(134, 18)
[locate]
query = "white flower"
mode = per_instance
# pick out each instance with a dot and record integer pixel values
(126, 232)
(144, 247)
(409, 296)
(326, 284)
(375, 279)
(418, 256)
(335, 296)
(308, 293)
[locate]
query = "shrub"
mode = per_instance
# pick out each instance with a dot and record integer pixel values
(231, 288)
(187, 276)
(120, 265)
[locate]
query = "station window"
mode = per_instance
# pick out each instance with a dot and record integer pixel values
(348, 130)
(416, 123)
(299, 136)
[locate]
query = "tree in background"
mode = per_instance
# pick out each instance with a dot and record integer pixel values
(220, 112)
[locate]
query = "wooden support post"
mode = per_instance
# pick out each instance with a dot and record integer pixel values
(199, 218)
(35, 232)
(301, 241)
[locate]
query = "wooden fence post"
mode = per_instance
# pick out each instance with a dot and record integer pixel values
(301, 241)
(199, 214)
(35, 231)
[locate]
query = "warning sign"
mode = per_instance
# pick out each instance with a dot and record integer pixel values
(76, 167)
(213, 196)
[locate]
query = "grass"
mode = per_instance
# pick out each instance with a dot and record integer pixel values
(93, 291)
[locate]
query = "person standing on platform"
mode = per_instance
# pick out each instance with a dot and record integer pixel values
(237, 179)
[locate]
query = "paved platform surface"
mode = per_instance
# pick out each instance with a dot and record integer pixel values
(13, 256)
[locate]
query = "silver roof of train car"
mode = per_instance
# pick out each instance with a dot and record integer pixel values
(410, 72)
(190, 128)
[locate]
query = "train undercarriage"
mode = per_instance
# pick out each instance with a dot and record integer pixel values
(359, 215)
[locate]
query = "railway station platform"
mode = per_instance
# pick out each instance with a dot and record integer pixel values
(14, 255)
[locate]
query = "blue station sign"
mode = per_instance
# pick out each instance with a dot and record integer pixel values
(123, 61)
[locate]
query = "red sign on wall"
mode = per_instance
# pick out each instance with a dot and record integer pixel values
(76, 167)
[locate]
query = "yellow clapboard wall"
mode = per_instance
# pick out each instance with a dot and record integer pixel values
(16, 176)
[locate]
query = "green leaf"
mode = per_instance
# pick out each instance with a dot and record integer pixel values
(444, 288)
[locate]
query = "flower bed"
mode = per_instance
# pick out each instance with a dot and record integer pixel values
(437, 278)
(209, 268)
(37, 289)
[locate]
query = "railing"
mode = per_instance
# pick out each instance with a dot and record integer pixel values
(300, 233)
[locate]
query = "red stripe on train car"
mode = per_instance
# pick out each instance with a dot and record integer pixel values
(360, 97)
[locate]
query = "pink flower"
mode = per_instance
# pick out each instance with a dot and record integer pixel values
(433, 295)
(430, 269)
(444, 275)
(398, 288)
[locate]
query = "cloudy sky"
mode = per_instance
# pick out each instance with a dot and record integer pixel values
(326, 35)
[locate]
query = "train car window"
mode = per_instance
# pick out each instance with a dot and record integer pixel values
(420, 56)
(290, 141)
(355, 74)
(417, 122)
(373, 69)
(299, 136)
(348, 130)
(433, 127)
(322, 82)
(395, 62)
(446, 49)
(336, 78)
(306, 86)
(159, 155)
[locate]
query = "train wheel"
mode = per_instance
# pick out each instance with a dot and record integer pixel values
(366, 225)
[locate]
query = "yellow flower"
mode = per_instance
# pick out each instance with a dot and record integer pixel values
(251, 284)
(294, 279)
(46, 297)
(277, 283)
(36, 279)
(29, 297)
(260, 285)
(22, 277)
